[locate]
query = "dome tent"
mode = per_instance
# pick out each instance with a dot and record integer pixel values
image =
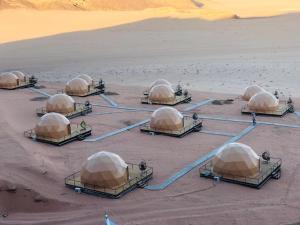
(162, 93)
(236, 159)
(105, 170)
(20, 75)
(166, 119)
(251, 91)
(9, 80)
(87, 78)
(60, 103)
(53, 125)
(159, 82)
(263, 102)
(77, 86)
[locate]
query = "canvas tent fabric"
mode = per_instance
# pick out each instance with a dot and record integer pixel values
(251, 91)
(160, 81)
(77, 86)
(8, 80)
(236, 159)
(60, 103)
(105, 170)
(162, 93)
(166, 119)
(53, 125)
(87, 78)
(20, 75)
(263, 102)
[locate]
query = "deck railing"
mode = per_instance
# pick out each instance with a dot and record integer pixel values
(266, 168)
(135, 176)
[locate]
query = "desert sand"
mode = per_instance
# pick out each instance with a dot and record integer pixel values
(37, 170)
(216, 56)
(213, 48)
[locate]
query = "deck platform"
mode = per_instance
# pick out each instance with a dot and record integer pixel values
(81, 110)
(137, 178)
(190, 125)
(179, 99)
(268, 170)
(30, 82)
(77, 133)
(282, 110)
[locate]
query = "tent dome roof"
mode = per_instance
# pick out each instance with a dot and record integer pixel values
(20, 75)
(160, 81)
(87, 78)
(8, 80)
(162, 93)
(251, 91)
(263, 101)
(53, 125)
(77, 86)
(105, 170)
(60, 103)
(236, 159)
(166, 119)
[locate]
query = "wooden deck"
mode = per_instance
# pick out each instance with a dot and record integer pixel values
(267, 171)
(94, 90)
(283, 109)
(178, 100)
(136, 178)
(81, 110)
(77, 133)
(22, 84)
(190, 125)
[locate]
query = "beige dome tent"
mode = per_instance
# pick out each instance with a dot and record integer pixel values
(263, 102)
(9, 80)
(20, 75)
(87, 78)
(105, 170)
(236, 159)
(166, 119)
(60, 103)
(251, 91)
(53, 125)
(160, 81)
(77, 86)
(162, 93)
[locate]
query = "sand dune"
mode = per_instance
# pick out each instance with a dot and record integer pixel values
(38, 18)
(223, 56)
(96, 4)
